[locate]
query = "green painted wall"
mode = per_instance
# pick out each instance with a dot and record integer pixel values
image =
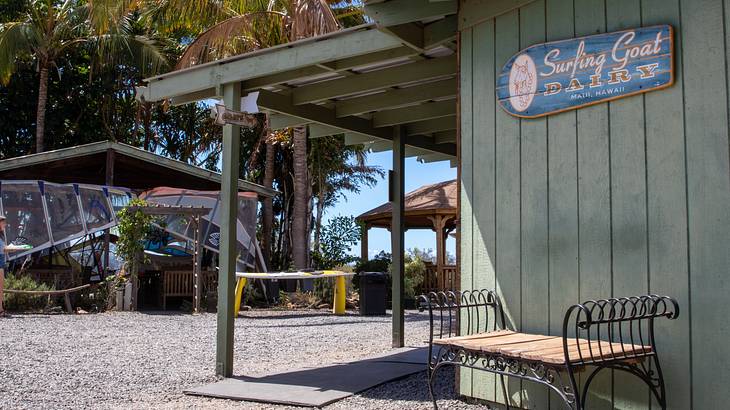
(621, 198)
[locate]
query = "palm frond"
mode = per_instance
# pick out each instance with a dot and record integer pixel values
(311, 18)
(235, 35)
(17, 40)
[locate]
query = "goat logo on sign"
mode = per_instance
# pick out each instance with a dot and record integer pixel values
(522, 82)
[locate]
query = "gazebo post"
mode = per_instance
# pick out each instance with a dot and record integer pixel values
(438, 226)
(229, 210)
(397, 197)
(365, 228)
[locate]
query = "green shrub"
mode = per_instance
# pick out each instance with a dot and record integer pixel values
(415, 272)
(17, 302)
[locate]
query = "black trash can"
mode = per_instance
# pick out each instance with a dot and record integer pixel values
(373, 293)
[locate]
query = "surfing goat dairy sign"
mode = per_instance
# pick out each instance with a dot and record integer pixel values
(563, 75)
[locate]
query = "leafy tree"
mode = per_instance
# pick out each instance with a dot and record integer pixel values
(134, 226)
(338, 237)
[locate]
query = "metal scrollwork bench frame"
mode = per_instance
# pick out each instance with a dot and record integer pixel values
(614, 333)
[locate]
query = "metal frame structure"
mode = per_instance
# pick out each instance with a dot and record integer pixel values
(627, 321)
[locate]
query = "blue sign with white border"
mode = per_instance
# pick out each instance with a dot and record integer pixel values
(564, 75)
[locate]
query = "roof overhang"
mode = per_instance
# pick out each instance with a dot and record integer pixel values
(361, 82)
(85, 164)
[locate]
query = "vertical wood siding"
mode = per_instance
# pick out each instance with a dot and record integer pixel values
(621, 198)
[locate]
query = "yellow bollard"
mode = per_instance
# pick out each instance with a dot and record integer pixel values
(338, 307)
(240, 284)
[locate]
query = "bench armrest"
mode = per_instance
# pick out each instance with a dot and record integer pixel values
(627, 322)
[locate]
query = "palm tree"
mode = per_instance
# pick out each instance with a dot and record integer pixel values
(45, 32)
(254, 24)
(48, 29)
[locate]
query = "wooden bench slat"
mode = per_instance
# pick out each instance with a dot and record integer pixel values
(543, 348)
(492, 344)
(605, 353)
(474, 336)
(519, 348)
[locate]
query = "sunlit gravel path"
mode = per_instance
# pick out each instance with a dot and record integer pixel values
(145, 360)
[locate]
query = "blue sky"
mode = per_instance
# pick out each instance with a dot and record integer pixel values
(417, 174)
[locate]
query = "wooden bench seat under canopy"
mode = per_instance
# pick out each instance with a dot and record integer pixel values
(542, 348)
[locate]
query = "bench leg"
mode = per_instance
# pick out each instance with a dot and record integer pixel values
(431, 379)
(653, 379)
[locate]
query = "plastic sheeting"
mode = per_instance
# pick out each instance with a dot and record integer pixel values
(44, 214)
(182, 226)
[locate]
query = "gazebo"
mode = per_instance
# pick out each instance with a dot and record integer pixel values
(428, 207)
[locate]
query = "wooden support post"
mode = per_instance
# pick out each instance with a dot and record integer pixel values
(67, 302)
(227, 248)
(197, 269)
(364, 242)
(397, 234)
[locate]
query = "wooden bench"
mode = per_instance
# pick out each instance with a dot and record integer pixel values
(615, 333)
(179, 283)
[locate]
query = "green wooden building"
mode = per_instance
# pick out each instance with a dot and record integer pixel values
(625, 197)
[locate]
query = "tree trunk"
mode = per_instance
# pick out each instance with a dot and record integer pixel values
(268, 208)
(40, 123)
(146, 120)
(299, 217)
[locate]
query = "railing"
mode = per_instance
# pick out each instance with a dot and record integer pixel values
(439, 280)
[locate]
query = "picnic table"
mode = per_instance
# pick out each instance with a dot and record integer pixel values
(338, 304)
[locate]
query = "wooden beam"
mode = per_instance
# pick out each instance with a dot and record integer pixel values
(319, 130)
(445, 137)
(430, 126)
(317, 113)
(397, 98)
(374, 80)
(325, 116)
(356, 139)
(380, 146)
(322, 49)
(366, 59)
(280, 121)
(228, 241)
(440, 32)
(195, 96)
(428, 158)
(420, 112)
(396, 12)
(410, 33)
(397, 234)
(429, 146)
(282, 77)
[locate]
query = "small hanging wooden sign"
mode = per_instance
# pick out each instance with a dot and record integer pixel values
(225, 116)
(564, 75)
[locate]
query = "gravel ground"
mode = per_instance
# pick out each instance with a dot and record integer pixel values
(145, 360)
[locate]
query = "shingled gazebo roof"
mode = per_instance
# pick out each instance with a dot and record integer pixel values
(420, 204)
